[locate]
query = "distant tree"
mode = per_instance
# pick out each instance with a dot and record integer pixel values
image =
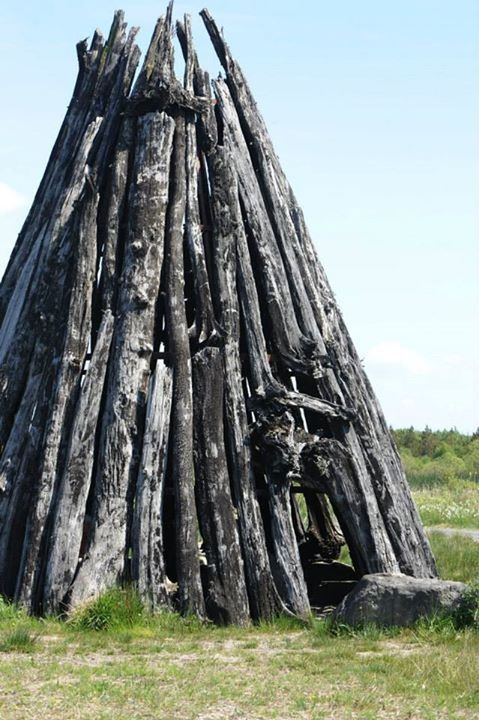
(428, 441)
(438, 456)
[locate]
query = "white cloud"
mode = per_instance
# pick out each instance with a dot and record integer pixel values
(10, 199)
(454, 360)
(393, 354)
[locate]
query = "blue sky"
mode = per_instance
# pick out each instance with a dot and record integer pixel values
(374, 111)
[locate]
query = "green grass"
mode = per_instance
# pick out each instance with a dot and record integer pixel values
(18, 639)
(114, 609)
(139, 667)
(8, 611)
(172, 668)
(457, 557)
(453, 505)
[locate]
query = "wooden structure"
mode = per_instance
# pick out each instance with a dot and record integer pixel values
(174, 369)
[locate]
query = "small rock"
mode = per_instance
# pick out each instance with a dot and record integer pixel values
(397, 600)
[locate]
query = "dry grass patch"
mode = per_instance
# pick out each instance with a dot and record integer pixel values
(293, 674)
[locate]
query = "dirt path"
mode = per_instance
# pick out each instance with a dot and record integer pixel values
(465, 532)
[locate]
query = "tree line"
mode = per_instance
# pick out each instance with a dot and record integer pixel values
(433, 457)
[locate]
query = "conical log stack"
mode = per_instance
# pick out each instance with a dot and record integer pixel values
(174, 370)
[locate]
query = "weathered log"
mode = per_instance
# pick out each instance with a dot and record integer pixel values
(69, 358)
(68, 265)
(264, 602)
(64, 296)
(285, 557)
(112, 225)
(158, 66)
(157, 88)
(225, 587)
(272, 282)
(128, 375)
(298, 524)
(148, 565)
(55, 179)
(68, 521)
(17, 333)
(206, 121)
(275, 439)
(275, 189)
(323, 527)
(326, 466)
(190, 594)
(97, 95)
(262, 155)
(204, 314)
(285, 552)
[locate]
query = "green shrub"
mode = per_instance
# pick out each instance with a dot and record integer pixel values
(467, 615)
(116, 608)
(446, 467)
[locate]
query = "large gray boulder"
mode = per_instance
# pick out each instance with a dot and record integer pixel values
(397, 600)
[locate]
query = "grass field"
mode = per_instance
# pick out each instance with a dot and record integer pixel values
(167, 668)
(455, 504)
(442, 468)
(271, 672)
